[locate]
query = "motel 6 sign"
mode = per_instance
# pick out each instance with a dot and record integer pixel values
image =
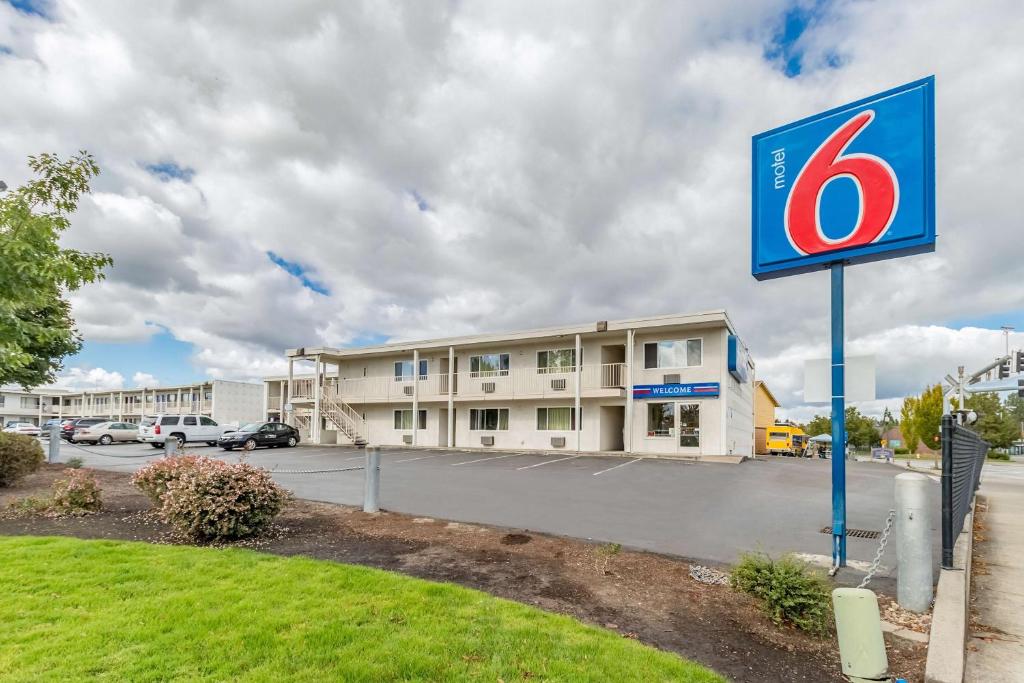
(852, 184)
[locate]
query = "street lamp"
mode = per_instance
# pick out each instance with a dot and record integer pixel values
(1007, 329)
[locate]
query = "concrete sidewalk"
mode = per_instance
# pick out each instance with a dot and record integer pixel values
(995, 650)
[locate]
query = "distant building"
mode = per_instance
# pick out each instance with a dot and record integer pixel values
(765, 404)
(224, 401)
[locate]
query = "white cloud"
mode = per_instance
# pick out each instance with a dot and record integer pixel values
(94, 379)
(144, 379)
(580, 162)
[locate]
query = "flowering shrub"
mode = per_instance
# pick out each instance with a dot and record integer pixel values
(79, 494)
(211, 500)
(19, 455)
(153, 478)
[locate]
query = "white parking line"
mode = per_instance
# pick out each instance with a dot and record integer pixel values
(617, 466)
(549, 462)
(425, 457)
(496, 457)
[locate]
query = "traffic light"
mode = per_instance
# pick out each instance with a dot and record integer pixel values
(1004, 369)
(1019, 369)
(1020, 388)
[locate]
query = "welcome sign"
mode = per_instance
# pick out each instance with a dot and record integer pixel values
(698, 389)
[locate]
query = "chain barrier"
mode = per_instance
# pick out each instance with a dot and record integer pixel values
(337, 469)
(881, 549)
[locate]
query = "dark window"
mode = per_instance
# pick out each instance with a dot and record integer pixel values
(169, 421)
(207, 422)
(191, 422)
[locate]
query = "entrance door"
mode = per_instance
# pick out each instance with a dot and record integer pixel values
(688, 424)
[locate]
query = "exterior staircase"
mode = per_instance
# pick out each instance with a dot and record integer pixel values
(343, 417)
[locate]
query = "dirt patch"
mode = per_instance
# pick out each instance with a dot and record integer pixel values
(640, 595)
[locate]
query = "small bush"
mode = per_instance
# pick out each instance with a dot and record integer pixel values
(901, 451)
(789, 590)
(997, 455)
(153, 478)
(215, 501)
(75, 462)
(79, 494)
(19, 455)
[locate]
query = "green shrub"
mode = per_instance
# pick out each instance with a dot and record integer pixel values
(789, 590)
(75, 462)
(901, 451)
(216, 501)
(19, 455)
(998, 455)
(79, 494)
(153, 478)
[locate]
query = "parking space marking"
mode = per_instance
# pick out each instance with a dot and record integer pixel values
(496, 457)
(425, 457)
(617, 466)
(549, 462)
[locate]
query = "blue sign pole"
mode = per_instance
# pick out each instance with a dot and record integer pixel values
(838, 422)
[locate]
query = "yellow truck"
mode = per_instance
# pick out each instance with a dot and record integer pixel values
(784, 439)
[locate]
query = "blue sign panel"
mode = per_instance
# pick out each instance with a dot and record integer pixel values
(853, 184)
(675, 390)
(737, 359)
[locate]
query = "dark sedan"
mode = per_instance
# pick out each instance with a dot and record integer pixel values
(256, 434)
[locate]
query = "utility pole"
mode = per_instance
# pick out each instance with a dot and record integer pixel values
(1007, 329)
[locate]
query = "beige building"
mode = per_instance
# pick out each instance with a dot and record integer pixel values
(765, 404)
(225, 401)
(670, 385)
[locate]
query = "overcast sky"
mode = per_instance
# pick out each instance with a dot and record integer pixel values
(304, 173)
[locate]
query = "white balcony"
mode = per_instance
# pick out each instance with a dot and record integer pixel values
(535, 383)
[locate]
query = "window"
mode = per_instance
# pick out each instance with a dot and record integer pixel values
(190, 422)
(403, 370)
(488, 419)
(559, 360)
(207, 422)
(556, 419)
(29, 402)
(660, 419)
(169, 422)
(488, 365)
(403, 419)
(2, 401)
(686, 353)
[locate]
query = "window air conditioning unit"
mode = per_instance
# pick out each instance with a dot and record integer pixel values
(486, 440)
(488, 388)
(558, 441)
(558, 384)
(407, 391)
(407, 438)
(670, 379)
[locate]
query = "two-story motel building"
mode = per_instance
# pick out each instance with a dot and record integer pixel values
(670, 385)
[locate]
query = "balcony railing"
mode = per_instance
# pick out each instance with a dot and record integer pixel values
(515, 383)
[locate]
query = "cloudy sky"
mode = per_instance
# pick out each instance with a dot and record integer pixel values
(304, 173)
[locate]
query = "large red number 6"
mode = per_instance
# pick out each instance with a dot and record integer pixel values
(876, 184)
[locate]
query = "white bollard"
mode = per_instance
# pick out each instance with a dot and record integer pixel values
(371, 491)
(913, 542)
(171, 447)
(54, 452)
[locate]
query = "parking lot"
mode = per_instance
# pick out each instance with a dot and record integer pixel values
(707, 511)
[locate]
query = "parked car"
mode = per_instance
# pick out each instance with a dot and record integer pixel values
(45, 429)
(184, 428)
(256, 434)
(69, 427)
(106, 433)
(26, 428)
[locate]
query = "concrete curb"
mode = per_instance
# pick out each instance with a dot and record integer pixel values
(947, 644)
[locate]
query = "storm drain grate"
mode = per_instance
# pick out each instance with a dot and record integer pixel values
(855, 533)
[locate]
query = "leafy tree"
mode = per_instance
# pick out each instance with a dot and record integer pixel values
(819, 424)
(887, 422)
(927, 416)
(861, 430)
(996, 422)
(36, 328)
(907, 426)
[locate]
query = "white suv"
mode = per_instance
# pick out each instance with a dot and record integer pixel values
(156, 430)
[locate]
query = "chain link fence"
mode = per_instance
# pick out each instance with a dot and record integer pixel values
(963, 455)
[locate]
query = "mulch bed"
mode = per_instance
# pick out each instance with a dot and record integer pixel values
(641, 595)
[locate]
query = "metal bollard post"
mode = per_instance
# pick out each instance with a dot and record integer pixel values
(170, 447)
(913, 542)
(53, 455)
(371, 493)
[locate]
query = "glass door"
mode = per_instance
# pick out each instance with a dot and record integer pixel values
(688, 419)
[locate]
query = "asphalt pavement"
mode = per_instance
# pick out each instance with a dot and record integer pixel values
(707, 511)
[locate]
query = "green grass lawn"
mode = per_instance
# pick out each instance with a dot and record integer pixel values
(103, 610)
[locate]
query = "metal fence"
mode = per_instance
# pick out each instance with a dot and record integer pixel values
(963, 455)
